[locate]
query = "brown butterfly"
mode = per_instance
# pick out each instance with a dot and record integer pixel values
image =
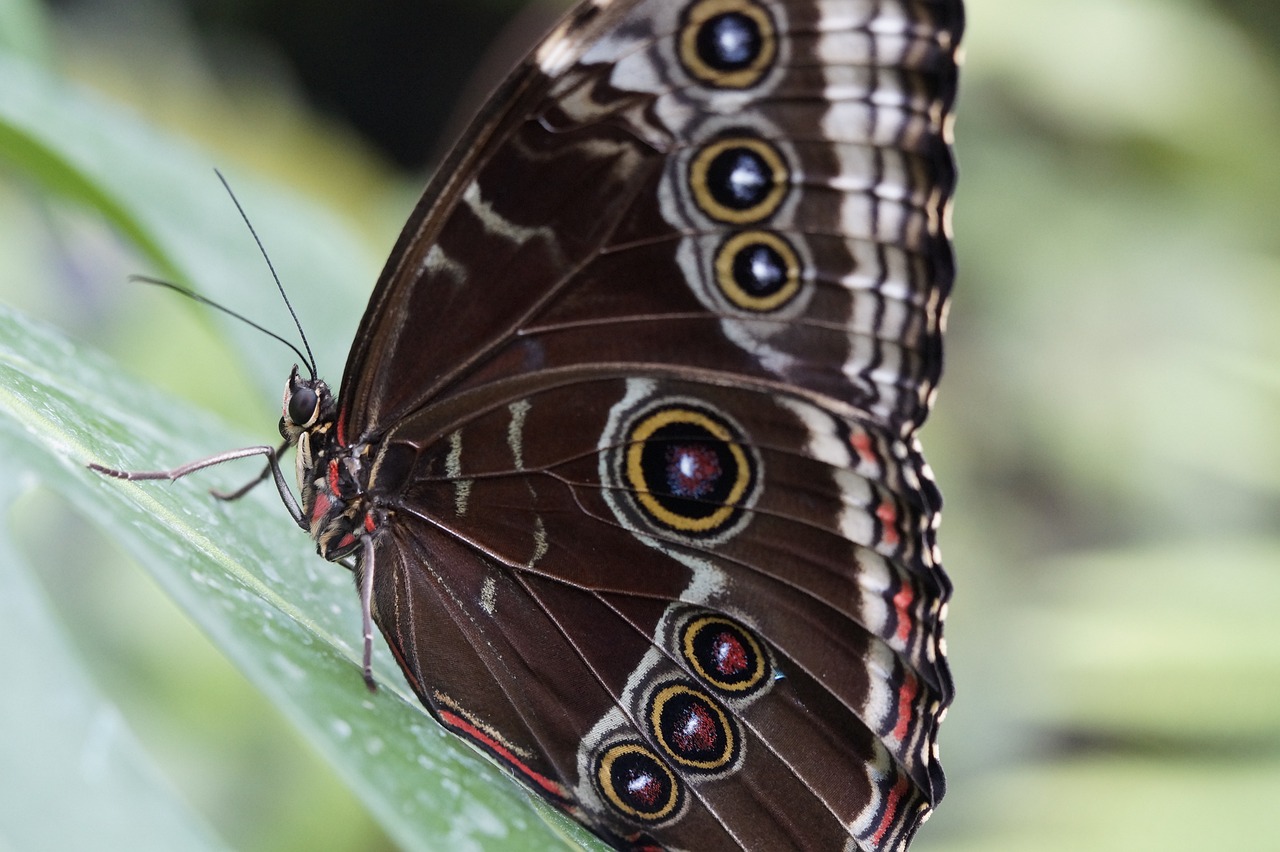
(625, 447)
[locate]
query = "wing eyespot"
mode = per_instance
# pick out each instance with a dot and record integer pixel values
(728, 44)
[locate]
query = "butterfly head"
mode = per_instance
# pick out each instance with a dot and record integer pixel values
(330, 479)
(308, 404)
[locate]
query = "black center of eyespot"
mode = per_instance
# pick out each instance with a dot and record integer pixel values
(692, 728)
(636, 782)
(302, 405)
(637, 779)
(725, 655)
(760, 270)
(723, 651)
(739, 178)
(729, 42)
(693, 469)
(688, 470)
(728, 655)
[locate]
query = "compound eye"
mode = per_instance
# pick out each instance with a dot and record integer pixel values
(303, 405)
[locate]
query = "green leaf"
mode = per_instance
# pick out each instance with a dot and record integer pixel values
(65, 746)
(22, 29)
(164, 197)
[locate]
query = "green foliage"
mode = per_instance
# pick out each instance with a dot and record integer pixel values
(1105, 438)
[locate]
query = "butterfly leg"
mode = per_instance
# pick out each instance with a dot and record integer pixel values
(364, 575)
(253, 483)
(221, 458)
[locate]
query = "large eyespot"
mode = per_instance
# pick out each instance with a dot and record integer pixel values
(636, 782)
(693, 729)
(739, 179)
(677, 469)
(757, 271)
(687, 469)
(724, 655)
(303, 406)
(728, 44)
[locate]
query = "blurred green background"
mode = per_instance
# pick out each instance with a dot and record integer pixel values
(1106, 434)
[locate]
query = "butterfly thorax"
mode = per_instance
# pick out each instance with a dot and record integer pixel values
(331, 475)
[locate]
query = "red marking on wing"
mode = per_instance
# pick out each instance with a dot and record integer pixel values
(333, 478)
(394, 644)
(861, 443)
(644, 787)
(342, 427)
(696, 730)
(906, 699)
(499, 750)
(903, 601)
(888, 515)
(692, 469)
(891, 804)
(730, 656)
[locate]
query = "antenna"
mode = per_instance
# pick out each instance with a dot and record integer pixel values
(204, 300)
(309, 360)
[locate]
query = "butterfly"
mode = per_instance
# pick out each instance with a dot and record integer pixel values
(624, 458)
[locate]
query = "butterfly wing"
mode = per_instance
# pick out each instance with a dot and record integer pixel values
(643, 375)
(798, 621)
(578, 220)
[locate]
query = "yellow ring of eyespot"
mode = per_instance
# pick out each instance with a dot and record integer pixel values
(635, 473)
(604, 774)
(698, 14)
(660, 700)
(694, 627)
(734, 292)
(707, 202)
